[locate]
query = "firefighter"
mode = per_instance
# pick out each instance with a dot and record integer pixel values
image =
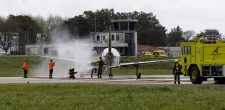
(25, 68)
(100, 64)
(72, 73)
(94, 68)
(176, 72)
(51, 64)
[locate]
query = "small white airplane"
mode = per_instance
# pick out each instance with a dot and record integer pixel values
(111, 59)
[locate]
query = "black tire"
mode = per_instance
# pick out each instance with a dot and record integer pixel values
(110, 75)
(139, 76)
(219, 80)
(195, 75)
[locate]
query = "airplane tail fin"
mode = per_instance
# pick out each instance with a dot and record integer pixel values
(110, 40)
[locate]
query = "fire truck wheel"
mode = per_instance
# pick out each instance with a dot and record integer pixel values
(195, 76)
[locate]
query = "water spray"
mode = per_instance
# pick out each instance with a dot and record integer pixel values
(70, 52)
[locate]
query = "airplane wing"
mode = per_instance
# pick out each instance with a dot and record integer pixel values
(144, 62)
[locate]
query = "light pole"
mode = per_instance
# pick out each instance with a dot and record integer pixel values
(95, 22)
(27, 34)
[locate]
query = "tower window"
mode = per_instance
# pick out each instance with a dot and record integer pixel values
(103, 38)
(113, 37)
(98, 38)
(117, 37)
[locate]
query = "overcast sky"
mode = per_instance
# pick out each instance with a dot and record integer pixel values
(196, 15)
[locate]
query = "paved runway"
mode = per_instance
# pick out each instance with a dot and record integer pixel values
(123, 80)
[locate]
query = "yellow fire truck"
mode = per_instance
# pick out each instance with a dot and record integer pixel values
(204, 58)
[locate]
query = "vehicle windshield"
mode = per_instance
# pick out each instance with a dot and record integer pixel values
(148, 53)
(161, 53)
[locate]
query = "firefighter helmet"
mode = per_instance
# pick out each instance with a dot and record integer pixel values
(176, 60)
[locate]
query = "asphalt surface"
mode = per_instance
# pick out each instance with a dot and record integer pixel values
(121, 80)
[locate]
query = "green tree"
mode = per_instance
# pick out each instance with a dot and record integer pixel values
(49, 25)
(175, 36)
(42, 23)
(209, 32)
(2, 19)
(188, 34)
(103, 18)
(82, 25)
(150, 31)
(8, 34)
(29, 29)
(53, 23)
(78, 26)
(91, 19)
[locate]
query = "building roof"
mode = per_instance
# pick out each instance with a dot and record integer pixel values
(148, 48)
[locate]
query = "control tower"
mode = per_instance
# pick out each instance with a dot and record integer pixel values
(124, 37)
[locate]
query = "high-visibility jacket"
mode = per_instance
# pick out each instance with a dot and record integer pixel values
(51, 65)
(176, 67)
(25, 66)
(100, 63)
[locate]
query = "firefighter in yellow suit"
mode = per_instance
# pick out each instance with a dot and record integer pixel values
(176, 72)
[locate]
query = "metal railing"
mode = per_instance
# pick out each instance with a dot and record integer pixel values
(210, 39)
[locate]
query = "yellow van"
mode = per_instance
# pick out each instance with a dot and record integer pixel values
(159, 53)
(146, 54)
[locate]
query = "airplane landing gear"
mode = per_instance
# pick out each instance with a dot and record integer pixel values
(110, 74)
(99, 76)
(139, 76)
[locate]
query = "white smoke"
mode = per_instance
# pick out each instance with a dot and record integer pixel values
(79, 51)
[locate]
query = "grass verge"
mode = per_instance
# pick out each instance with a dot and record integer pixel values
(12, 65)
(109, 97)
(150, 69)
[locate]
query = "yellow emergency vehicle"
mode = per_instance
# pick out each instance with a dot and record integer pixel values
(159, 53)
(204, 58)
(146, 54)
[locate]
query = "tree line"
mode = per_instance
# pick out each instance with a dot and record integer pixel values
(149, 29)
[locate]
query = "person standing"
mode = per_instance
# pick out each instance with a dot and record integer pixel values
(100, 64)
(25, 68)
(176, 72)
(51, 64)
(94, 68)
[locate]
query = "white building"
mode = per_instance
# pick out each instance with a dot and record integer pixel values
(40, 49)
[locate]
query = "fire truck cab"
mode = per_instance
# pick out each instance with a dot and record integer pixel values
(204, 58)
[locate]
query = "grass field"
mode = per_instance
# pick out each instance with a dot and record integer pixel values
(151, 69)
(110, 97)
(12, 66)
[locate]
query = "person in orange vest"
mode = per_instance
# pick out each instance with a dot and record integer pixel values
(51, 64)
(25, 68)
